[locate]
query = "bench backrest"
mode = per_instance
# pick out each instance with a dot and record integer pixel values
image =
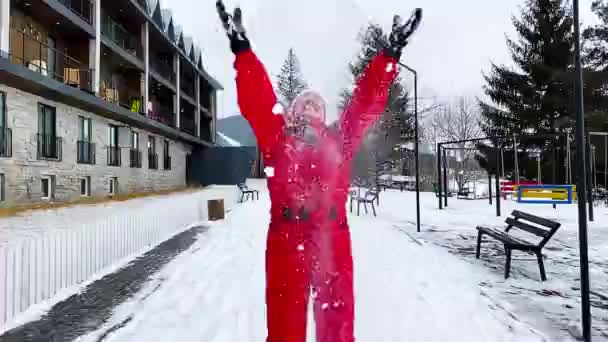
(242, 186)
(533, 224)
(371, 194)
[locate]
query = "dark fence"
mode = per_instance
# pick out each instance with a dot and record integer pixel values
(222, 165)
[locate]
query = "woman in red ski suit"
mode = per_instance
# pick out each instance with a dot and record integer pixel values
(308, 249)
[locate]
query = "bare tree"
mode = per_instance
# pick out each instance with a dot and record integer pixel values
(454, 121)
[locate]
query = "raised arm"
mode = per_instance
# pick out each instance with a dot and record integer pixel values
(255, 94)
(371, 92)
(367, 102)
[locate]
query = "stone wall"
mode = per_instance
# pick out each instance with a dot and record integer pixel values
(23, 172)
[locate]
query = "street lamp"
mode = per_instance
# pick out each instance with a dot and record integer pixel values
(581, 186)
(415, 143)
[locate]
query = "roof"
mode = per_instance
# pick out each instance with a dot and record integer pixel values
(237, 128)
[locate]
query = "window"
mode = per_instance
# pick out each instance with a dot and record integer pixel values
(113, 136)
(85, 186)
(5, 133)
(49, 145)
(47, 185)
(86, 149)
(114, 157)
(84, 129)
(167, 156)
(134, 140)
(2, 110)
(151, 145)
(2, 198)
(113, 185)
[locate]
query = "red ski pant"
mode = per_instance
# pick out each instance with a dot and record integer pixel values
(307, 261)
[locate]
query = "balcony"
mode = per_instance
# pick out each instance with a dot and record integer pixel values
(120, 36)
(39, 57)
(6, 142)
(114, 156)
(135, 158)
(167, 162)
(122, 95)
(49, 147)
(82, 8)
(85, 152)
(205, 129)
(187, 124)
(153, 161)
(162, 68)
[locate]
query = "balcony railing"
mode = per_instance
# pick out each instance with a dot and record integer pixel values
(82, 8)
(163, 69)
(49, 147)
(85, 152)
(114, 156)
(120, 36)
(39, 57)
(187, 88)
(152, 161)
(135, 158)
(187, 125)
(6, 142)
(119, 95)
(167, 162)
(164, 115)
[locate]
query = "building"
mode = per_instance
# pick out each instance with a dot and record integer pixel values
(98, 97)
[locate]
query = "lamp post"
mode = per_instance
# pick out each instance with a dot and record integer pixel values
(416, 144)
(581, 186)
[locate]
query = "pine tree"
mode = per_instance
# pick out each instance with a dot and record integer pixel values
(596, 38)
(536, 96)
(396, 124)
(290, 81)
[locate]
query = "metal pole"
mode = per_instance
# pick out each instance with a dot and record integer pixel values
(498, 178)
(605, 161)
(445, 179)
(439, 187)
(589, 176)
(490, 186)
(568, 165)
(580, 179)
(416, 150)
(515, 150)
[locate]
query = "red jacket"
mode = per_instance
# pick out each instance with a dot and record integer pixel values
(310, 180)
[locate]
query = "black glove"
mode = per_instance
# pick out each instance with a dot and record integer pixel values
(233, 24)
(401, 33)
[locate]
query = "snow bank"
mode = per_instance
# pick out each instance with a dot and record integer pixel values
(49, 255)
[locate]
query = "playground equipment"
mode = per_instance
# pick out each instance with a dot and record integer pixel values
(545, 194)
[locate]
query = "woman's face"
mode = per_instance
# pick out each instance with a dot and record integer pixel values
(310, 106)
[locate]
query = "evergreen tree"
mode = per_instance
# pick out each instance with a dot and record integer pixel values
(290, 82)
(536, 97)
(396, 124)
(596, 38)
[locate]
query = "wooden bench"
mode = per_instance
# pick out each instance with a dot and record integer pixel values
(245, 192)
(529, 223)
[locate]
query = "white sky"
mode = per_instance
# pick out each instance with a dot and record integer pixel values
(455, 43)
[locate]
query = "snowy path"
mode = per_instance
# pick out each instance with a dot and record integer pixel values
(404, 291)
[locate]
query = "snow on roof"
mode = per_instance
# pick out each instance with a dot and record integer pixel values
(229, 140)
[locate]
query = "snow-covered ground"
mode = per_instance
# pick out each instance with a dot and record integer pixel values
(408, 286)
(48, 255)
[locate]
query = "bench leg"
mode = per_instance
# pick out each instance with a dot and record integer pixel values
(358, 207)
(257, 194)
(365, 206)
(541, 265)
(478, 252)
(242, 197)
(374, 209)
(508, 263)
(351, 204)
